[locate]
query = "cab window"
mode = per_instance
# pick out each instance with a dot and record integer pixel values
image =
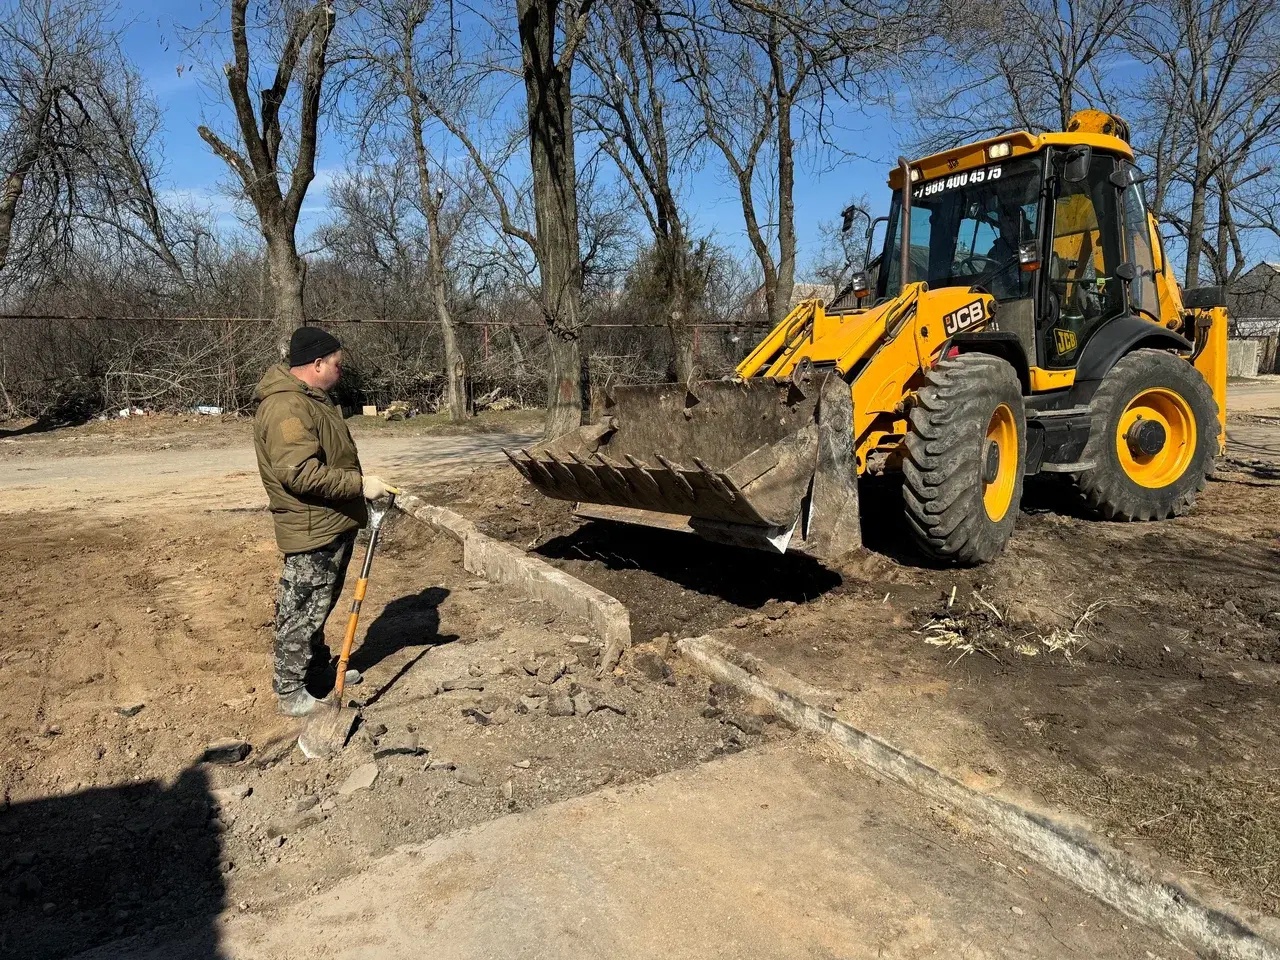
(1084, 253)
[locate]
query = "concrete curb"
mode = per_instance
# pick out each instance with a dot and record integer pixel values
(1131, 887)
(502, 563)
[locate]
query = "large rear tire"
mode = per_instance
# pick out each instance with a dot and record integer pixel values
(1153, 438)
(966, 456)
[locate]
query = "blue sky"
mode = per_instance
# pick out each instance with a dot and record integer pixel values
(155, 43)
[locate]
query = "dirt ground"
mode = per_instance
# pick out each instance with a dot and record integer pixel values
(1128, 674)
(134, 642)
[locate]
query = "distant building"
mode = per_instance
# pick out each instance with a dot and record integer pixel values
(799, 291)
(1254, 301)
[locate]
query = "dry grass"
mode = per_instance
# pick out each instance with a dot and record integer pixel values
(981, 627)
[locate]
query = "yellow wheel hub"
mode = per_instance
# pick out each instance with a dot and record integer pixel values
(1000, 463)
(1156, 438)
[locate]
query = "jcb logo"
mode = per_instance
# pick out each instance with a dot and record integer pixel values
(1065, 339)
(967, 316)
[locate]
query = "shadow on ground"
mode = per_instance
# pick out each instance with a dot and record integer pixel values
(93, 867)
(745, 578)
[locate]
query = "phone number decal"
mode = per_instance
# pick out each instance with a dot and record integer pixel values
(956, 181)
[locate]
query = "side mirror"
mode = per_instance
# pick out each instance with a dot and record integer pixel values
(1126, 175)
(1077, 163)
(1126, 272)
(847, 215)
(860, 285)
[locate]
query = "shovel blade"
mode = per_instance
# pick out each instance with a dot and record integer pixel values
(326, 731)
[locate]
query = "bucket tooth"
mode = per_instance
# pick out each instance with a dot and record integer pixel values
(676, 471)
(644, 472)
(570, 477)
(542, 470)
(615, 471)
(516, 462)
(716, 482)
(591, 472)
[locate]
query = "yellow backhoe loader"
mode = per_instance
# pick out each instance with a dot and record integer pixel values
(1024, 319)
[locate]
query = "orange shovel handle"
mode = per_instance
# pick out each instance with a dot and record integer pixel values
(349, 638)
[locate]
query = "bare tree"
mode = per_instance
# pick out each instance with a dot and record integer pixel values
(764, 76)
(1007, 65)
(78, 128)
(1213, 102)
(550, 32)
(254, 154)
(647, 126)
(401, 54)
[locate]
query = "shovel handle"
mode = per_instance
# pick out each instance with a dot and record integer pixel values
(348, 638)
(362, 585)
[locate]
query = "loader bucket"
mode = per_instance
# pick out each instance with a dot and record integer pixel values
(758, 462)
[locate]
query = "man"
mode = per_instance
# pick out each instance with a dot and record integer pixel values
(317, 494)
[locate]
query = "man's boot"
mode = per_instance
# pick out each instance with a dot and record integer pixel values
(299, 703)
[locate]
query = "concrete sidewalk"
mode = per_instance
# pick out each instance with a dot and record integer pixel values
(784, 853)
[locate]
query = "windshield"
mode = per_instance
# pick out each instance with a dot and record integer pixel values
(966, 229)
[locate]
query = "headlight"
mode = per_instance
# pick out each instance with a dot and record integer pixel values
(997, 150)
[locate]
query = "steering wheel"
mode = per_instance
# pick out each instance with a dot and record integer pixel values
(986, 263)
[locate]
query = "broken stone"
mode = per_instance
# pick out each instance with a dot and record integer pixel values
(608, 703)
(551, 671)
(651, 666)
(361, 778)
(130, 709)
(303, 804)
(712, 712)
(463, 683)
(582, 705)
(405, 745)
(478, 715)
(441, 765)
(662, 645)
(475, 670)
(329, 805)
(468, 777)
(610, 657)
(229, 795)
(377, 730)
(508, 791)
(747, 723)
(522, 764)
(529, 704)
(560, 706)
(1231, 608)
(530, 667)
(226, 751)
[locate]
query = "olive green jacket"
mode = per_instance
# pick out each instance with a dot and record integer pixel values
(308, 463)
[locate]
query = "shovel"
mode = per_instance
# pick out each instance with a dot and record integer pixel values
(327, 729)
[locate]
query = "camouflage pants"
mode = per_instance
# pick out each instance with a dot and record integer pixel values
(310, 586)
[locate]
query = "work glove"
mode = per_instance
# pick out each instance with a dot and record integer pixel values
(375, 488)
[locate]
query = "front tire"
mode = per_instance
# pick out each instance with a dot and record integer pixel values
(1153, 438)
(966, 457)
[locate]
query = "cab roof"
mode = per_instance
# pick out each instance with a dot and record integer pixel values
(973, 155)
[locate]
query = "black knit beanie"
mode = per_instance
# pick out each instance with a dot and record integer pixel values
(309, 344)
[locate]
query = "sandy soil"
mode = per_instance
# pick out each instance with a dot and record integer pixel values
(138, 633)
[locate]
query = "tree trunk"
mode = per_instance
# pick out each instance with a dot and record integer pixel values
(1195, 228)
(786, 281)
(287, 281)
(457, 397)
(10, 193)
(550, 106)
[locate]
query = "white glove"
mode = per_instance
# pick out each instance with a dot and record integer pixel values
(375, 488)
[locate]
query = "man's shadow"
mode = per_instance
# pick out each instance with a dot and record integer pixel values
(411, 621)
(85, 869)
